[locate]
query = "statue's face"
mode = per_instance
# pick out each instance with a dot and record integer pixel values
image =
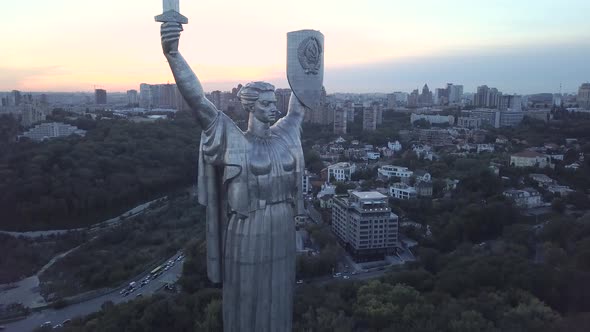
(265, 108)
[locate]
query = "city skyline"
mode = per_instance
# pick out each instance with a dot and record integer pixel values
(528, 47)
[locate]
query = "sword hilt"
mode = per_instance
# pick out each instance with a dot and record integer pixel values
(172, 16)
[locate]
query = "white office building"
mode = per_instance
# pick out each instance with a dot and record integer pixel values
(389, 171)
(402, 191)
(52, 130)
(341, 171)
(526, 198)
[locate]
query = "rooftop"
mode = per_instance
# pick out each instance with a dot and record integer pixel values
(341, 165)
(368, 195)
(528, 154)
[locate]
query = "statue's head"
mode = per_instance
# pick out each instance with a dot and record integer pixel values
(259, 99)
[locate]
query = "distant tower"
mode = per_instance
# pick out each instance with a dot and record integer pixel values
(283, 97)
(340, 121)
(145, 95)
(583, 98)
(100, 96)
(370, 119)
(426, 98)
(132, 97)
(17, 97)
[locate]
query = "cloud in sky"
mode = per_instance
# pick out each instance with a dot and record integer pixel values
(520, 70)
(115, 43)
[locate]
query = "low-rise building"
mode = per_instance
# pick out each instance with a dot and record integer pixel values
(341, 171)
(365, 225)
(467, 122)
(50, 130)
(394, 146)
(433, 119)
(529, 159)
(305, 184)
(525, 198)
(327, 189)
(402, 191)
(485, 148)
(422, 176)
(424, 189)
(373, 155)
(421, 149)
(558, 189)
(542, 180)
(327, 201)
(389, 171)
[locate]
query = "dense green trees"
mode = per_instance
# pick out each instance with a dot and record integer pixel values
(72, 182)
(27, 256)
(127, 250)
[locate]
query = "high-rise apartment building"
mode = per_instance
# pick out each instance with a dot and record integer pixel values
(215, 98)
(378, 113)
(487, 97)
(413, 98)
(512, 102)
(365, 225)
(340, 121)
(167, 96)
(283, 97)
(32, 113)
(145, 96)
(391, 102)
(369, 118)
(441, 96)
(454, 93)
(17, 97)
(583, 98)
(100, 96)
(162, 96)
(426, 98)
(132, 97)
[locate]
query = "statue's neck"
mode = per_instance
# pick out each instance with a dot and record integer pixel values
(257, 127)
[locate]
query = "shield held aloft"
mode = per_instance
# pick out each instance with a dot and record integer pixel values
(305, 66)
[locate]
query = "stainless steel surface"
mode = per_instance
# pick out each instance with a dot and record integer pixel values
(305, 65)
(250, 183)
(171, 13)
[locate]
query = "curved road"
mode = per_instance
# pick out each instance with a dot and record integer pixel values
(84, 308)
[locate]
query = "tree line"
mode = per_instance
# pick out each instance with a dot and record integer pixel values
(72, 182)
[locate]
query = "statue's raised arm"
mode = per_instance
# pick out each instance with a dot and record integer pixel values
(186, 80)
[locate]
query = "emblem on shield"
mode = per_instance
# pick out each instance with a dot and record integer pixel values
(305, 66)
(310, 54)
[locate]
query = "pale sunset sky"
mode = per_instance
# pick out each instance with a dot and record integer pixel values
(519, 46)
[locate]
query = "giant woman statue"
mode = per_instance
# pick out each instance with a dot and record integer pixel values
(250, 183)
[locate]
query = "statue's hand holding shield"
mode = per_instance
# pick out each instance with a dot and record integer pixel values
(305, 66)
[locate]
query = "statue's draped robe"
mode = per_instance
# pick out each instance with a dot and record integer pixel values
(251, 187)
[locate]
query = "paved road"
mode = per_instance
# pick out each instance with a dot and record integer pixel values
(134, 211)
(170, 276)
(88, 307)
